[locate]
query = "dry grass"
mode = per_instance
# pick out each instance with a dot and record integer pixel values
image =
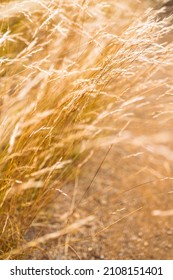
(75, 75)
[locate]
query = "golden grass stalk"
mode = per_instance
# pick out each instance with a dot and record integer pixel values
(75, 75)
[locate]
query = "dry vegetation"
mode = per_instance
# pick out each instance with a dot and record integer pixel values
(76, 75)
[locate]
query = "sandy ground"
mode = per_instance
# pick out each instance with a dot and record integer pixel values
(131, 207)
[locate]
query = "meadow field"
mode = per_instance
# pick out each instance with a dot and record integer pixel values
(86, 129)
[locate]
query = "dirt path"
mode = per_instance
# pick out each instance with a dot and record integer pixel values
(125, 199)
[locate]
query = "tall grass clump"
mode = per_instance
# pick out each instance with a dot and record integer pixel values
(74, 75)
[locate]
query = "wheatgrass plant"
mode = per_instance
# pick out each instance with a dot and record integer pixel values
(74, 75)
